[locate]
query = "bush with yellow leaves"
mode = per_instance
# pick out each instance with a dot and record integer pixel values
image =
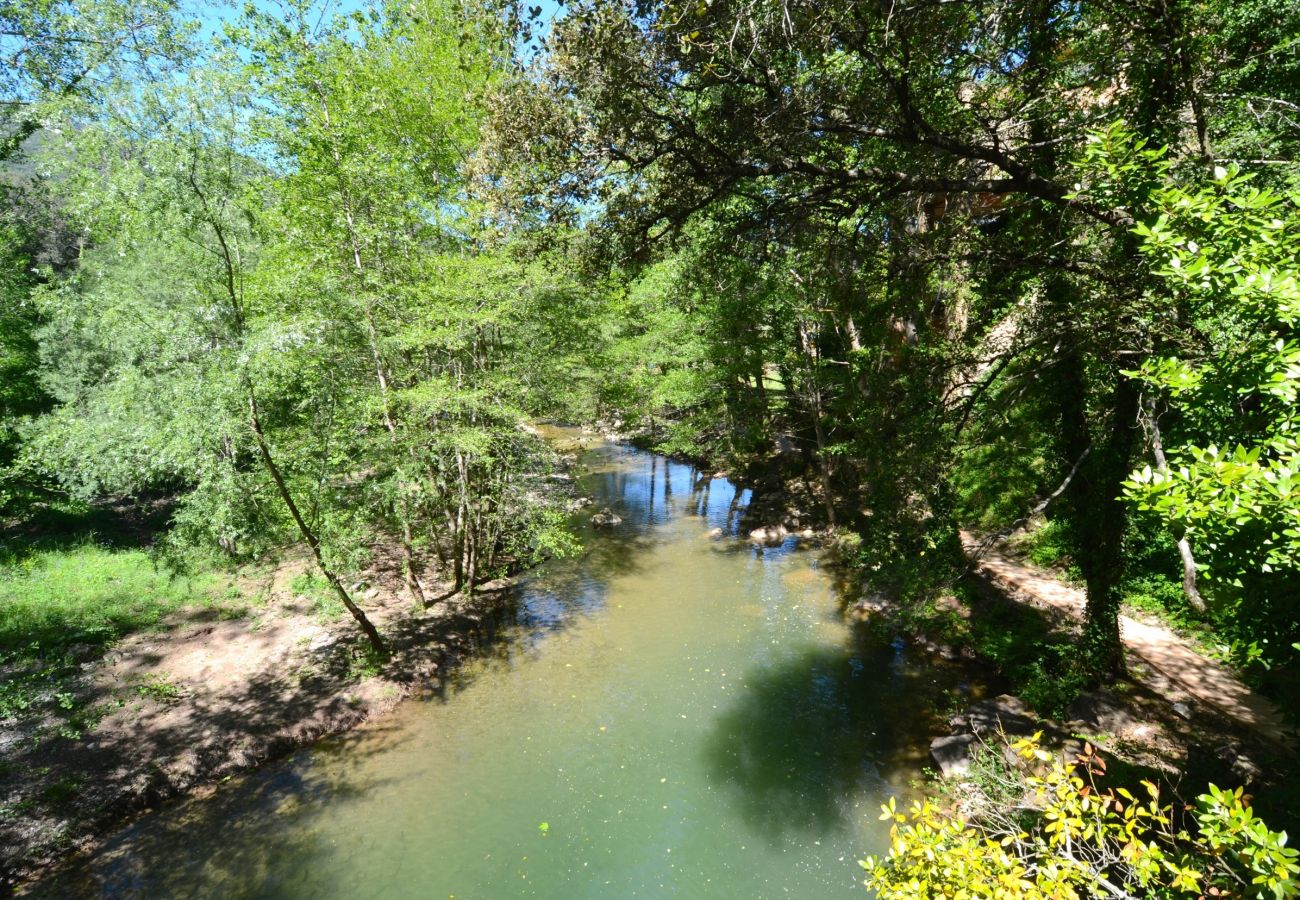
(1064, 837)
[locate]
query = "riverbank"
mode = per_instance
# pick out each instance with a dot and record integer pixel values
(672, 709)
(1177, 714)
(201, 697)
(213, 675)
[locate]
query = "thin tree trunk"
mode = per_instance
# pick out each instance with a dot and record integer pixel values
(308, 534)
(1190, 590)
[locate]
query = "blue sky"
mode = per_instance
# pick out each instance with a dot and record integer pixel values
(212, 13)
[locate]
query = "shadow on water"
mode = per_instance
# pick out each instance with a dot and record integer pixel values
(247, 835)
(821, 729)
(828, 726)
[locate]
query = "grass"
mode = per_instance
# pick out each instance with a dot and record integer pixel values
(74, 580)
(326, 604)
(90, 595)
(159, 689)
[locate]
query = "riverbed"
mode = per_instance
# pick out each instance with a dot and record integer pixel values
(673, 713)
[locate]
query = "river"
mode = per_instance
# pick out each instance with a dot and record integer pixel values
(674, 713)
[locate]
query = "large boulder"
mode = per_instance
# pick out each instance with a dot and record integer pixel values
(953, 754)
(1003, 713)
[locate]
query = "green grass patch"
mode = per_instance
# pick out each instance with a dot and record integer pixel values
(325, 602)
(90, 595)
(159, 689)
(62, 607)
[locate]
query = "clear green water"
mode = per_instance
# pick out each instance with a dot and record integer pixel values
(690, 717)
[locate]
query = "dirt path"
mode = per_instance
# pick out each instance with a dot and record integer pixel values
(1158, 659)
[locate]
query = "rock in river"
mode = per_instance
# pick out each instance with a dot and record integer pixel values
(952, 754)
(768, 536)
(606, 518)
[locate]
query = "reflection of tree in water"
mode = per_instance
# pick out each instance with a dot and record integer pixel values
(820, 728)
(645, 489)
(639, 487)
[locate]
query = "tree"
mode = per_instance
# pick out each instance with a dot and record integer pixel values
(913, 163)
(61, 51)
(159, 354)
(1225, 370)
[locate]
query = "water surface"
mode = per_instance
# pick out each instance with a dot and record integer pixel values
(673, 714)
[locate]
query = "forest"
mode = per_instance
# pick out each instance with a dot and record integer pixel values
(299, 280)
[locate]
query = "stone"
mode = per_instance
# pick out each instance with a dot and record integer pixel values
(952, 754)
(1004, 712)
(1099, 711)
(768, 535)
(321, 642)
(1183, 709)
(714, 533)
(606, 518)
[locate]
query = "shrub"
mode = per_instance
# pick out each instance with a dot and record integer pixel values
(1081, 841)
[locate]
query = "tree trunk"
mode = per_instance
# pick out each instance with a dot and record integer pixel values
(1190, 590)
(1100, 515)
(308, 534)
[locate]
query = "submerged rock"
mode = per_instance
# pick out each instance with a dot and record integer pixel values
(768, 535)
(606, 518)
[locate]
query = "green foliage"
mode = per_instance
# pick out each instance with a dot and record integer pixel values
(305, 330)
(1228, 253)
(1225, 254)
(1042, 665)
(88, 594)
(1051, 546)
(1081, 840)
(58, 53)
(158, 689)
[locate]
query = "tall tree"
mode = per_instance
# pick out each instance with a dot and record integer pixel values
(936, 141)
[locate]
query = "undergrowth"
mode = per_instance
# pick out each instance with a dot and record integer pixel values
(62, 607)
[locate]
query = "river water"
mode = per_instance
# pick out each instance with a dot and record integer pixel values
(675, 713)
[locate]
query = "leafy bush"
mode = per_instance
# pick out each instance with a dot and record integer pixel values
(1052, 682)
(1051, 546)
(1081, 840)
